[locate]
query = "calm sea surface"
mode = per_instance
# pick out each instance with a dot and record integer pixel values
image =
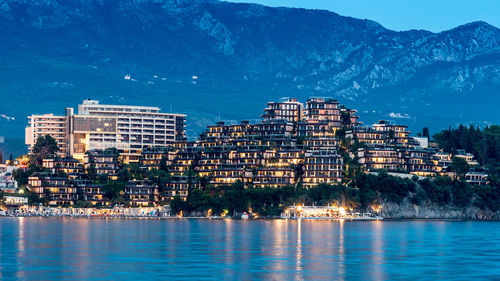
(144, 249)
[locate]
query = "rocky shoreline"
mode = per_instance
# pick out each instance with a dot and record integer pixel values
(407, 210)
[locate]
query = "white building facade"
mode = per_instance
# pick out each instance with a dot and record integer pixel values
(46, 124)
(98, 126)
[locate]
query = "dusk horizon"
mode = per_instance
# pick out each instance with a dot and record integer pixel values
(401, 15)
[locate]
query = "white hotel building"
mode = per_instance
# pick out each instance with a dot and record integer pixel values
(127, 128)
(46, 124)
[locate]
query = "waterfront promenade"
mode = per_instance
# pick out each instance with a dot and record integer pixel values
(117, 212)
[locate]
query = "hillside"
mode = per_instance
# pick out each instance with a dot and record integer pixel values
(54, 53)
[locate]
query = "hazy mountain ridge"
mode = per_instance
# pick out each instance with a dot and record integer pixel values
(55, 53)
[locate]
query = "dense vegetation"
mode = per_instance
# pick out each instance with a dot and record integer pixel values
(44, 147)
(368, 191)
(264, 201)
(484, 144)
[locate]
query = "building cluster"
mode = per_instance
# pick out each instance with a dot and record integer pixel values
(63, 191)
(9, 186)
(389, 147)
(292, 143)
(66, 180)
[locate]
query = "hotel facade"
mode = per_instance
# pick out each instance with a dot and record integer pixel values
(47, 124)
(130, 129)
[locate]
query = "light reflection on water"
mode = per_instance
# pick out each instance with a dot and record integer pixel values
(378, 251)
(341, 263)
(298, 268)
(48, 249)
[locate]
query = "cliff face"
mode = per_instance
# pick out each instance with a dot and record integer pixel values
(407, 210)
(55, 53)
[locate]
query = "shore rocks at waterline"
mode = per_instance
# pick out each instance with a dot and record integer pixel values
(407, 210)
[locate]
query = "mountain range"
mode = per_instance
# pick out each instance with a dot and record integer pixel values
(218, 60)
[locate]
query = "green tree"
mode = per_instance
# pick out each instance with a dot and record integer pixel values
(461, 193)
(176, 205)
(135, 171)
(124, 175)
(33, 198)
(459, 166)
(484, 144)
(21, 176)
(91, 170)
(190, 178)
(160, 177)
(437, 190)
(204, 181)
(44, 147)
(298, 172)
(46, 197)
(425, 132)
(102, 178)
(199, 201)
(113, 190)
(163, 164)
(345, 119)
(234, 197)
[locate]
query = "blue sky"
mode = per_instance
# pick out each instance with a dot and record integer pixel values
(433, 15)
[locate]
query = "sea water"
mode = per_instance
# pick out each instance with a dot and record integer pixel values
(197, 249)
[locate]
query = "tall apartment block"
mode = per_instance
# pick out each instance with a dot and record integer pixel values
(47, 124)
(129, 129)
(382, 133)
(323, 109)
(288, 109)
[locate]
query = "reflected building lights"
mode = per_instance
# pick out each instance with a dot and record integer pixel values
(228, 246)
(82, 237)
(279, 249)
(21, 245)
(341, 264)
(378, 252)
(20, 242)
(298, 256)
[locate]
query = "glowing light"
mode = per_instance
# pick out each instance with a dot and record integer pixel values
(342, 211)
(376, 208)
